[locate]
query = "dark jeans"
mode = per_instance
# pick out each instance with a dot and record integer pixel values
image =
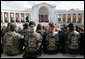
(1, 49)
(32, 54)
(28, 56)
(45, 50)
(71, 51)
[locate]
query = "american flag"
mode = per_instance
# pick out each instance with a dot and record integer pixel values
(74, 15)
(74, 38)
(52, 39)
(39, 18)
(17, 15)
(43, 18)
(10, 38)
(32, 38)
(69, 15)
(64, 17)
(46, 17)
(74, 18)
(79, 15)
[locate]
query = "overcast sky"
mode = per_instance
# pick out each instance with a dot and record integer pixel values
(60, 5)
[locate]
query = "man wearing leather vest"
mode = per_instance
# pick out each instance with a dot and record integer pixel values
(24, 30)
(12, 42)
(51, 41)
(1, 40)
(71, 40)
(3, 31)
(1, 46)
(33, 42)
(7, 29)
(39, 29)
(64, 29)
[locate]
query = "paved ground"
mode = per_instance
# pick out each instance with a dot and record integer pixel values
(59, 55)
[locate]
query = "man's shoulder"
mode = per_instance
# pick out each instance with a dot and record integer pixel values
(36, 33)
(8, 33)
(76, 32)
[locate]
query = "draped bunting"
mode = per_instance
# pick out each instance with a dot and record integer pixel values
(43, 18)
(79, 18)
(69, 17)
(74, 18)
(6, 16)
(64, 17)
(17, 17)
(12, 17)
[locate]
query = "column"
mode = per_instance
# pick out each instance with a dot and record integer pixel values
(83, 18)
(66, 18)
(76, 17)
(19, 17)
(29, 17)
(24, 18)
(3, 17)
(61, 17)
(8, 16)
(71, 17)
(57, 18)
(14, 17)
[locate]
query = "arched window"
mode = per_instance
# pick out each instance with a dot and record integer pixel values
(43, 14)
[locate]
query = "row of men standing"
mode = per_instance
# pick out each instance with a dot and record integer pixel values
(51, 42)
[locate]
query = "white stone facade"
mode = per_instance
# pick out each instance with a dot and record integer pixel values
(43, 8)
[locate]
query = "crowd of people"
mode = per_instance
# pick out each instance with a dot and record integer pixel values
(67, 39)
